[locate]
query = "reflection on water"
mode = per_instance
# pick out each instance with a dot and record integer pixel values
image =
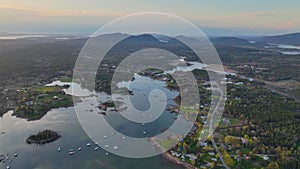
(64, 120)
(74, 89)
(193, 66)
(21, 37)
(291, 53)
(286, 49)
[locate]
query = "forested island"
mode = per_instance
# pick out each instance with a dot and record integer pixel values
(43, 137)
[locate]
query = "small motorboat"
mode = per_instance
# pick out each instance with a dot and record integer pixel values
(16, 155)
(59, 149)
(103, 113)
(79, 149)
(7, 167)
(116, 147)
(71, 152)
(88, 144)
(96, 148)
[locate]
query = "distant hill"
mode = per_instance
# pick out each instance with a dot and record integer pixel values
(134, 43)
(230, 41)
(288, 39)
(141, 39)
(111, 37)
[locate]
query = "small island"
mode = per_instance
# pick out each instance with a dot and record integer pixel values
(43, 137)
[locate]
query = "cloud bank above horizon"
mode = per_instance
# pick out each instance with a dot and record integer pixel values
(217, 17)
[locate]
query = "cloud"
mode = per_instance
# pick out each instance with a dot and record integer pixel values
(61, 13)
(249, 14)
(285, 25)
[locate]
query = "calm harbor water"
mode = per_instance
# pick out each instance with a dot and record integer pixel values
(286, 49)
(21, 37)
(64, 120)
(46, 156)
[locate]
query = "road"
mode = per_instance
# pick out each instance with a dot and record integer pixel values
(211, 129)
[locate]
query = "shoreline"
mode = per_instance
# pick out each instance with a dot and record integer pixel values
(176, 161)
(168, 157)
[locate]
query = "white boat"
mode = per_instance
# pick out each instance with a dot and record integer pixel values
(71, 152)
(88, 144)
(16, 155)
(96, 148)
(79, 149)
(7, 167)
(106, 154)
(116, 147)
(59, 149)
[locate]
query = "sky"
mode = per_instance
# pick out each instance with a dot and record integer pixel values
(214, 17)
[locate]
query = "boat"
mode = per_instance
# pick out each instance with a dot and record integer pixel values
(116, 147)
(59, 149)
(79, 149)
(71, 152)
(103, 113)
(16, 155)
(2, 158)
(7, 167)
(96, 148)
(106, 146)
(106, 154)
(88, 144)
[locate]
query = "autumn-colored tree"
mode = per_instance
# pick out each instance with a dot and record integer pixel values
(228, 160)
(273, 165)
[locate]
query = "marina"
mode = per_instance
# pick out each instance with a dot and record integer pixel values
(74, 148)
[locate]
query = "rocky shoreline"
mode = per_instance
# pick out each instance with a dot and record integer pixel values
(167, 156)
(176, 161)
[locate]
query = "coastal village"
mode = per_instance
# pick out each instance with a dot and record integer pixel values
(237, 142)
